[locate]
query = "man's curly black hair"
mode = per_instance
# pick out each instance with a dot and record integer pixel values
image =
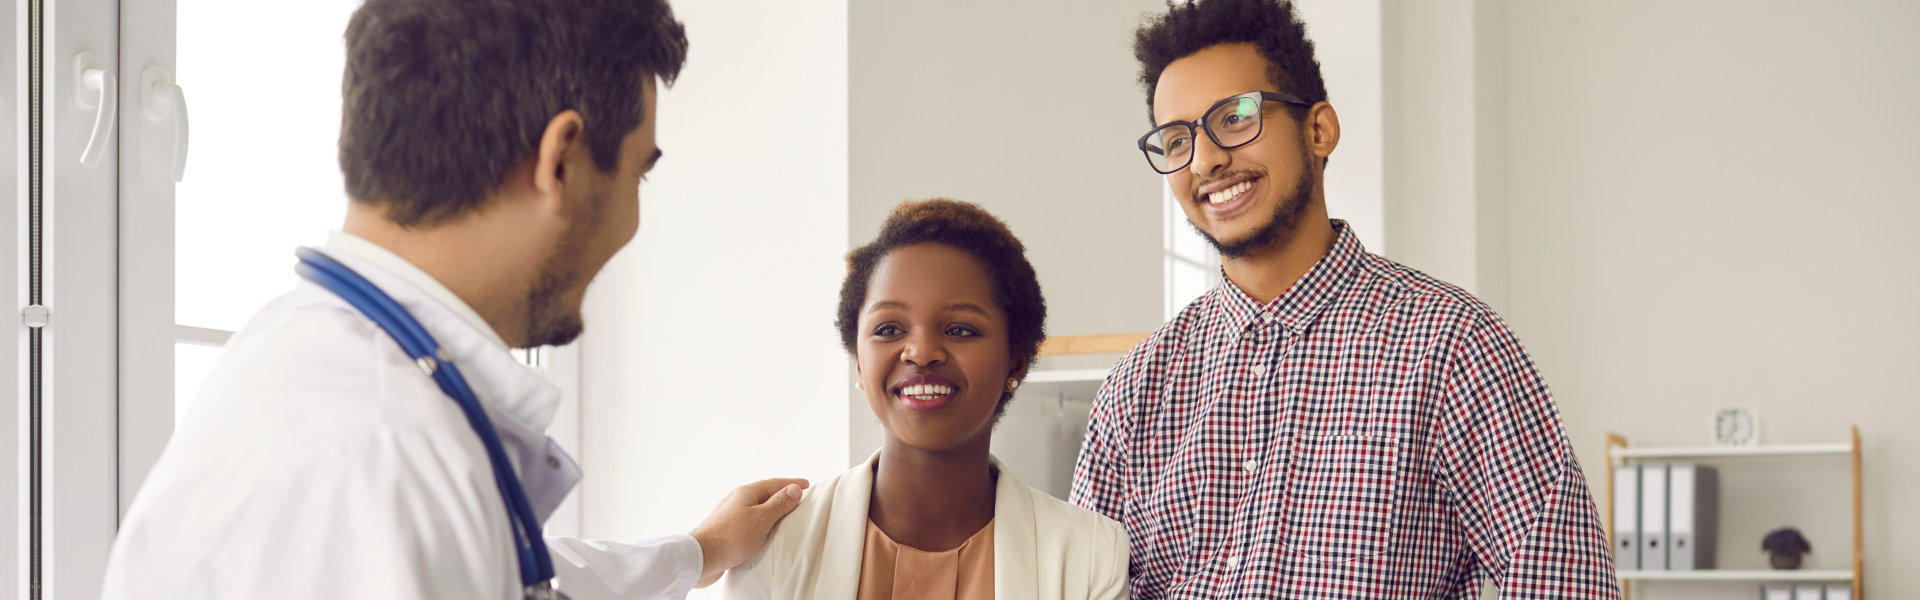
(1269, 25)
(971, 229)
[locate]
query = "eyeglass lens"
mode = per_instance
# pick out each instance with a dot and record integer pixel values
(1232, 124)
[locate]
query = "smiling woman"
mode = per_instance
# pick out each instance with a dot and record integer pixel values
(943, 315)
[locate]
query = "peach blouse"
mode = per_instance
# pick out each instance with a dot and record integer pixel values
(889, 570)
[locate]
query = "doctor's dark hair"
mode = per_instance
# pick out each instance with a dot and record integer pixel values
(971, 229)
(1270, 25)
(443, 98)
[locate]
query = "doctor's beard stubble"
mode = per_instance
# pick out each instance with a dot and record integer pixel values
(550, 322)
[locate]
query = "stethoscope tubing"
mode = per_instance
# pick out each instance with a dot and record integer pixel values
(536, 566)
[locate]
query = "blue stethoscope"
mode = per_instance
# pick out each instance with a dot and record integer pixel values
(536, 566)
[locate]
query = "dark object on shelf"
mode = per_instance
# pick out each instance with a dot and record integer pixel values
(1784, 547)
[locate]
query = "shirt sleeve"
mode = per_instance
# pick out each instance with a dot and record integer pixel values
(663, 567)
(1098, 484)
(1516, 490)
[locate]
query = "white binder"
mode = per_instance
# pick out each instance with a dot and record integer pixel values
(1776, 591)
(1839, 591)
(1626, 518)
(1808, 591)
(1692, 516)
(1653, 517)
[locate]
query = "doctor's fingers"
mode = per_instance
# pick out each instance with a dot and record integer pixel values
(780, 493)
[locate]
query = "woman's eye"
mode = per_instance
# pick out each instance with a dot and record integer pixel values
(887, 330)
(959, 331)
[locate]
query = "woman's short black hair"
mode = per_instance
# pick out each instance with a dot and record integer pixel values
(971, 229)
(1270, 25)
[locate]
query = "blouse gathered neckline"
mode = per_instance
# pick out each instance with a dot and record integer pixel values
(890, 569)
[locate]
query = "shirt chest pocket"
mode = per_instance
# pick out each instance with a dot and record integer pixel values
(1340, 496)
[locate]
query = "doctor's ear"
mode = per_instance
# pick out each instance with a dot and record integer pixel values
(561, 145)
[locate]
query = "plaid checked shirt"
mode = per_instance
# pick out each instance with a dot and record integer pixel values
(1372, 433)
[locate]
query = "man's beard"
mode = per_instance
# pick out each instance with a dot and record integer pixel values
(1285, 218)
(551, 321)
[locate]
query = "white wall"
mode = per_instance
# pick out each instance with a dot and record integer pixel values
(1445, 173)
(1347, 39)
(710, 359)
(1706, 204)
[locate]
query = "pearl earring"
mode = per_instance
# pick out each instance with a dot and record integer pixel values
(859, 385)
(1012, 384)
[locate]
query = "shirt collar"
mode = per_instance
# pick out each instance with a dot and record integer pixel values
(1301, 304)
(503, 384)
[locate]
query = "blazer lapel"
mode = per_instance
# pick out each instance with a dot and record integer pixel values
(1015, 549)
(845, 548)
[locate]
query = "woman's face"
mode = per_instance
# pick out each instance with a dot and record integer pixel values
(932, 347)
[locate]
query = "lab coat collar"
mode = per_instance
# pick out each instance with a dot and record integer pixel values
(358, 247)
(518, 399)
(1015, 541)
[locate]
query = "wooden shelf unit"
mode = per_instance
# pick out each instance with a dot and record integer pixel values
(1618, 453)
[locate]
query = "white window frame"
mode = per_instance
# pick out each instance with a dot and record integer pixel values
(13, 182)
(1177, 233)
(79, 392)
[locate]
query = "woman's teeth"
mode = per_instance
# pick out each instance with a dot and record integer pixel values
(1229, 193)
(929, 391)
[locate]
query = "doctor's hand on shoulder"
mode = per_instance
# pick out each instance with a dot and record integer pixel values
(740, 525)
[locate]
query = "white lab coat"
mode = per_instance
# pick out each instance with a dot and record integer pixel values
(319, 462)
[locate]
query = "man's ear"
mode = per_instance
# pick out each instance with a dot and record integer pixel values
(564, 137)
(1323, 130)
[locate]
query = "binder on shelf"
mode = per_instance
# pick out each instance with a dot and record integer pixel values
(1776, 591)
(1839, 591)
(1809, 591)
(1653, 517)
(1693, 515)
(1626, 518)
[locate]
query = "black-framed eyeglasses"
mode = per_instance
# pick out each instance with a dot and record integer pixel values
(1231, 123)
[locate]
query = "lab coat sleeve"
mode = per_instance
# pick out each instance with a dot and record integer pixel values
(663, 567)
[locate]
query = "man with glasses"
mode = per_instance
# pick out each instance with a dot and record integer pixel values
(1325, 423)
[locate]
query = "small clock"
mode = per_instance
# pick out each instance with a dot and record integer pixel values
(1736, 427)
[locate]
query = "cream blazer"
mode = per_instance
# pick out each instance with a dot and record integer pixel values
(1043, 548)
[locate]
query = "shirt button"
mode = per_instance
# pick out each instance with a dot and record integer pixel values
(1233, 562)
(553, 463)
(1251, 465)
(1259, 369)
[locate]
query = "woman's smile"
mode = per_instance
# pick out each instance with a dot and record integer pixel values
(925, 391)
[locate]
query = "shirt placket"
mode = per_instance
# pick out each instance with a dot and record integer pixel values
(1249, 464)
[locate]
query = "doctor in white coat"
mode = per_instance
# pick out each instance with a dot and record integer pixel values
(493, 152)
